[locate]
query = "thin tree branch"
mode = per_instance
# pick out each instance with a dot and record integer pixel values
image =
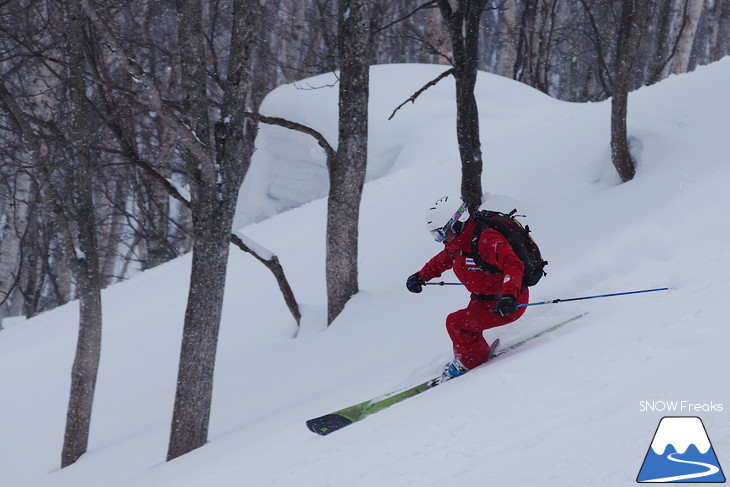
(418, 93)
(282, 122)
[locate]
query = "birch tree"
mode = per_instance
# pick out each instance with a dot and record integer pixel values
(690, 19)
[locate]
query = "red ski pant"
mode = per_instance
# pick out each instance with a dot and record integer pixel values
(465, 328)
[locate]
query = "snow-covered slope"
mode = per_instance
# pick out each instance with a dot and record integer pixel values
(565, 410)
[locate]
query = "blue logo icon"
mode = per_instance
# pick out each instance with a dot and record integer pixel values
(681, 452)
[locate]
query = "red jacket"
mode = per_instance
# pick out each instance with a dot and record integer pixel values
(494, 249)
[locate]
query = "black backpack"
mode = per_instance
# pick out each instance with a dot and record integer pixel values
(517, 236)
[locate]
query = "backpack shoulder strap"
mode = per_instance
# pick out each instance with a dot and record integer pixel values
(481, 222)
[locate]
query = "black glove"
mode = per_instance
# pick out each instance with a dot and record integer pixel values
(414, 283)
(506, 305)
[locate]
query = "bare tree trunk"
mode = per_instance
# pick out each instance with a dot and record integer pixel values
(633, 17)
(158, 249)
(85, 257)
(463, 26)
(110, 235)
(214, 183)
(691, 18)
(505, 18)
(347, 169)
(191, 413)
(13, 228)
(85, 366)
(720, 36)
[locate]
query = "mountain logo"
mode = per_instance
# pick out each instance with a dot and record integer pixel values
(680, 452)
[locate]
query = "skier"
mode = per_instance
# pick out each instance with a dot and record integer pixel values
(494, 295)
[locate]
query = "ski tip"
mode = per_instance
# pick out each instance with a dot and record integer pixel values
(328, 423)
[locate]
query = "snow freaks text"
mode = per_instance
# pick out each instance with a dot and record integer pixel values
(681, 407)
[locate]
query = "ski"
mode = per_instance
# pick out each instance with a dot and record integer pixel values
(337, 420)
(538, 335)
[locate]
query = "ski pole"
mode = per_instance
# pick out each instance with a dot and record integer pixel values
(554, 301)
(593, 297)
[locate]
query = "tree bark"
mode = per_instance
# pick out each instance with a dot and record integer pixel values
(193, 396)
(214, 183)
(463, 27)
(13, 228)
(347, 168)
(633, 17)
(691, 19)
(84, 252)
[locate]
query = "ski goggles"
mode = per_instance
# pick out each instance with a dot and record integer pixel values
(439, 234)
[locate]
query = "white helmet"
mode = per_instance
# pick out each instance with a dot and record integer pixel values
(447, 213)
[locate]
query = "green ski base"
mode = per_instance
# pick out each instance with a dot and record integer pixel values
(329, 423)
